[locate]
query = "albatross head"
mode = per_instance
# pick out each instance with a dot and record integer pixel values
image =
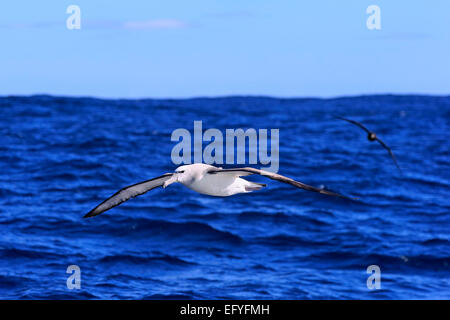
(181, 174)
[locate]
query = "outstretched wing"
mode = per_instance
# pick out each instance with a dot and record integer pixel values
(127, 193)
(356, 123)
(274, 176)
(390, 152)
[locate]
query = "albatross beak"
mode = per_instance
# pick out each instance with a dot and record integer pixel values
(171, 180)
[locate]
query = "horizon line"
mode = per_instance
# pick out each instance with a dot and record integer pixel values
(261, 96)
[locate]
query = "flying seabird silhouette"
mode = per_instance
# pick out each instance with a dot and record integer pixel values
(371, 136)
(205, 179)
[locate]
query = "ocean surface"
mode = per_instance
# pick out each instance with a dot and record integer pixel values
(60, 157)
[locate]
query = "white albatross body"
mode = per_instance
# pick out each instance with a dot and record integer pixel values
(197, 178)
(204, 179)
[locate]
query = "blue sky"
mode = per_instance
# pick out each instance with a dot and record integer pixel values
(136, 49)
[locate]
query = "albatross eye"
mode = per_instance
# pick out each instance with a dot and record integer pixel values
(181, 171)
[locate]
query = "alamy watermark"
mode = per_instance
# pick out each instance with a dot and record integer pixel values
(74, 20)
(374, 280)
(233, 151)
(374, 20)
(74, 280)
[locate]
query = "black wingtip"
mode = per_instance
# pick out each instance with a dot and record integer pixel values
(335, 194)
(88, 215)
(344, 197)
(396, 164)
(349, 197)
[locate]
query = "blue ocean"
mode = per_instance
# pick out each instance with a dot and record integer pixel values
(61, 156)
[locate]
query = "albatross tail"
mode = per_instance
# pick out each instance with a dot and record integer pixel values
(253, 186)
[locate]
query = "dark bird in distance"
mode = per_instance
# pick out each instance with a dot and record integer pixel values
(371, 136)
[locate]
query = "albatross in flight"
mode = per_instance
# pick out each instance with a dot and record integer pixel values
(204, 179)
(371, 136)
